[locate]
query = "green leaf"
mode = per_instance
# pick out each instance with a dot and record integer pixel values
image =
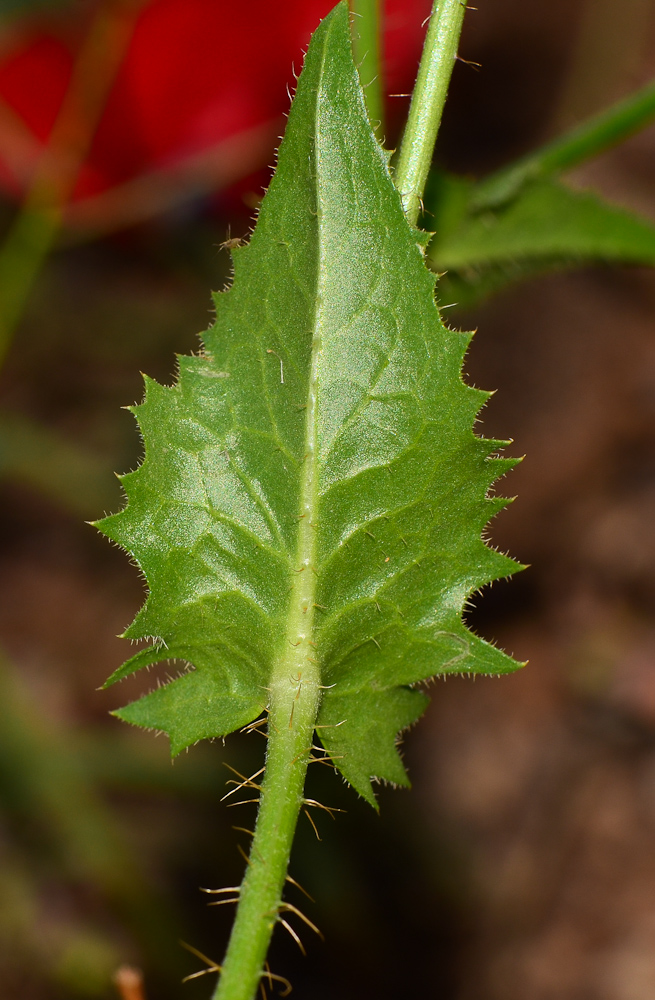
(547, 222)
(314, 472)
(546, 226)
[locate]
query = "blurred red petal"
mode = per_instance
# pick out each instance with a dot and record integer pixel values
(197, 74)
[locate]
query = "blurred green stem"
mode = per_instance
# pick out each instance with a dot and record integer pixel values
(71, 475)
(428, 99)
(38, 221)
(367, 49)
(599, 133)
(44, 780)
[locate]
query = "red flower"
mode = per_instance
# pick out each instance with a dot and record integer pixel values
(203, 82)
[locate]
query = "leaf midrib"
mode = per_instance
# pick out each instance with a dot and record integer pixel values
(301, 611)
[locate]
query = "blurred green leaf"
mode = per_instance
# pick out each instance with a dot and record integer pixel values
(85, 963)
(547, 226)
(41, 777)
(115, 762)
(548, 222)
(71, 475)
(49, 798)
(522, 221)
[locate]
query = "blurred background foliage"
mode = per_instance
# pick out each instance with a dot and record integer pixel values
(135, 139)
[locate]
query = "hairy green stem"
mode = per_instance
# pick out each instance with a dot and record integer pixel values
(293, 707)
(367, 50)
(292, 716)
(428, 99)
(592, 137)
